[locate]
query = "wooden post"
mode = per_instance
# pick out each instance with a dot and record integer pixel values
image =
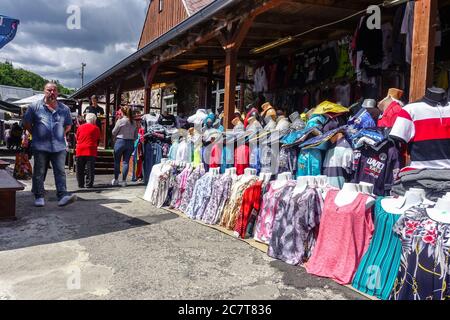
(148, 76)
(230, 87)
(107, 118)
(423, 47)
(209, 88)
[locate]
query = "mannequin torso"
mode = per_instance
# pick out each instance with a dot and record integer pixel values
(348, 194)
(402, 204)
(441, 211)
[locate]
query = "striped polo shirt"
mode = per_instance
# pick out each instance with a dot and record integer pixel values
(426, 129)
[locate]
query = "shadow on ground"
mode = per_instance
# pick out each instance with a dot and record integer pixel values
(93, 214)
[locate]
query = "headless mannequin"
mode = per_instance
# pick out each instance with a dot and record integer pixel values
(366, 188)
(321, 181)
(270, 123)
(435, 97)
(231, 172)
(265, 177)
(412, 198)
(349, 193)
(441, 211)
(282, 179)
(248, 174)
(215, 171)
(282, 123)
(302, 184)
(254, 125)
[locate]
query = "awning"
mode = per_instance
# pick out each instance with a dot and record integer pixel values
(6, 106)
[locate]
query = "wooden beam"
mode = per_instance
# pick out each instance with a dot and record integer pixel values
(422, 60)
(107, 134)
(230, 87)
(148, 75)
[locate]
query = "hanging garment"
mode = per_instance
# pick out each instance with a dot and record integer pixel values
(251, 202)
(233, 205)
(296, 226)
(343, 94)
(338, 164)
(269, 208)
(180, 187)
(309, 163)
(344, 236)
(379, 168)
(378, 269)
(424, 266)
(242, 158)
(407, 28)
(255, 158)
(201, 196)
(190, 185)
(390, 115)
(173, 151)
(221, 191)
(184, 152)
(158, 186)
(152, 156)
(287, 161)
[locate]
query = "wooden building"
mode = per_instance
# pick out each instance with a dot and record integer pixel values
(210, 39)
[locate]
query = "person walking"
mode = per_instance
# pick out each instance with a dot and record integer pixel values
(49, 121)
(88, 138)
(124, 133)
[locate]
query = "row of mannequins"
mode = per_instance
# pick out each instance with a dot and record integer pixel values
(414, 197)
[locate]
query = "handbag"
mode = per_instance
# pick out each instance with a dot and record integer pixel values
(22, 169)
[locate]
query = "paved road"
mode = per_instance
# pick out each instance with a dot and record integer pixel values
(113, 245)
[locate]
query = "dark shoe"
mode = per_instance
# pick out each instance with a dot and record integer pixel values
(89, 187)
(80, 187)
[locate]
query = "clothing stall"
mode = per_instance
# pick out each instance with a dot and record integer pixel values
(322, 175)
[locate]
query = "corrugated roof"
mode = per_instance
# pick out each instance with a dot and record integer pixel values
(11, 94)
(193, 6)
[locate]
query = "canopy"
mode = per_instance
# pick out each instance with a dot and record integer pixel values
(9, 107)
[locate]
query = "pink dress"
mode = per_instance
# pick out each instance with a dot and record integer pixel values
(344, 237)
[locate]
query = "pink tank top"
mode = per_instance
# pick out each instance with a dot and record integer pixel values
(344, 237)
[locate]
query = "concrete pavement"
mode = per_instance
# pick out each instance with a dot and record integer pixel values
(111, 244)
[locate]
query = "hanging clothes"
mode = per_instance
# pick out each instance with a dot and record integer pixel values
(424, 266)
(344, 236)
(269, 208)
(242, 158)
(232, 207)
(296, 226)
(378, 269)
(221, 191)
(338, 164)
(201, 196)
(190, 185)
(251, 202)
(309, 163)
(180, 188)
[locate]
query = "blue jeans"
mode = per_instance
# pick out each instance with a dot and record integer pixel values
(41, 161)
(152, 155)
(122, 149)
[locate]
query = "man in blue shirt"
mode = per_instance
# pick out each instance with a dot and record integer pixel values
(49, 121)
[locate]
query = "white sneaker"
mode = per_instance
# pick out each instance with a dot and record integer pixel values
(123, 184)
(40, 202)
(67, 200)
(114, 182)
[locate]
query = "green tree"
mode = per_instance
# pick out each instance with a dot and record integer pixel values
(26, 79)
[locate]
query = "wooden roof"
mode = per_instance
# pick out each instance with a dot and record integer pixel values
(193, 6)
(185, 50)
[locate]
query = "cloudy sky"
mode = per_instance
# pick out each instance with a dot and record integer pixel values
(110, 31)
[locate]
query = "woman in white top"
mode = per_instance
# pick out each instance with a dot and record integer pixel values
(124, 134)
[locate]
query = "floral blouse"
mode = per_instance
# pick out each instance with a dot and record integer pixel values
(296, 226)
(190, 185)
(231, 210)
(180, 187)
(424, 267)
(269, 207)
(221, 191)
(201, 196)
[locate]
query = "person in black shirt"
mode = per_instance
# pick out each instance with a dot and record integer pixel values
(95, 109)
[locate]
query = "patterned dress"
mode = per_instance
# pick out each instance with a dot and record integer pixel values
(190, 185)
(296, 226)
(424, 266)
(232, 207)
(251, 202)
(269, 207)
(201, 196)
(180, 187)
(221, 191)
